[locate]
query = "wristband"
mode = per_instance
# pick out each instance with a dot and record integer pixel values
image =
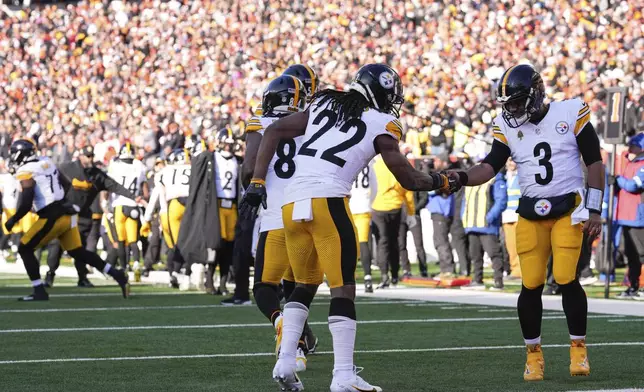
(258, 181)
(594, 199)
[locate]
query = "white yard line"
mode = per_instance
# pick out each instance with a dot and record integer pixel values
(180, 307)
(637, 320)
(245, 355)
(266, 325)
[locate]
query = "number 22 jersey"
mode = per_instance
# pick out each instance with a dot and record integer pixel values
(547, 156)
(333, 152)
(280, 171)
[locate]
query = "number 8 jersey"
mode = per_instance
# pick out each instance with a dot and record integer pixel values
(547, 156)
(280, 171)
(333, 152)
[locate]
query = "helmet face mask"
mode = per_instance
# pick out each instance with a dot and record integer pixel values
(225, 143)
(283, 95)
(22, 151)
(521, 94)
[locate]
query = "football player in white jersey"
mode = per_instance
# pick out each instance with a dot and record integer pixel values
(130, 173)
(9, 189)
(548, 143)
(284, 95)
(360, 206)
(342, 132)
(43, 188)
(226, 182)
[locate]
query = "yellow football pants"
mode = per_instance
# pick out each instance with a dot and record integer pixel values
(165, 229)
(227, 221)
(44, 230)
(175, 213)
(510, 231)
(127, 228)
(8, 213)
(28, 220)
(271, 260)
(537, 240)
(363, 224)
(328, 244)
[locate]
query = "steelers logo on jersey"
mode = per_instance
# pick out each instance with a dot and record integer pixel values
(386, 80)
(542, 207)
(562, 127)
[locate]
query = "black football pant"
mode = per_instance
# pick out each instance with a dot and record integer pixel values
(56, 251)
(634, 249)
(417, 234)
(242, 256)
(490, 244)
(443, 227)
(153, 252)
(387, 225)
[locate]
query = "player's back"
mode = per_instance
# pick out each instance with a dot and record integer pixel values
(360, 201)
(47, 188)
(176, 180)
(333, 151)
(130, 175)
(9, 189)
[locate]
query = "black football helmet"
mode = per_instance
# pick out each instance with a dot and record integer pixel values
(126, 152)
(306, 75)
(22, 151)
(225, 142)
(521, 93)
(284, 94)
(195, 145)
(179, 156)
(381, 86)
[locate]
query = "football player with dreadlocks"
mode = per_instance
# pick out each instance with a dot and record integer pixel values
(342, 131)
(549, 143)
(43, 188)
(284, 95)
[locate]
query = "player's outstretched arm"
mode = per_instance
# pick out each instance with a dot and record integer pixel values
(287, 127)
(410, 178)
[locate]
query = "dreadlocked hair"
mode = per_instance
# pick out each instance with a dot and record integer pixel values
(348, 104)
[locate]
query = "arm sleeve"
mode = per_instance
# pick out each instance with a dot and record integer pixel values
(588, 144)
(498, 155)
(154, 198)
(109, 184)
(25, 201)
(500, 199)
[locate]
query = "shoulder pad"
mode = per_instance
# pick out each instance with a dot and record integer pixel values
(254, 125)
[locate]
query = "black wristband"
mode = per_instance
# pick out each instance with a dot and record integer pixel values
(437, 180)
(462, 178)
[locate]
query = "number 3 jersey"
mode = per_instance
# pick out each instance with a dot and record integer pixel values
(131, 176)
(547, 156)
(280, 171)
(48, 188)
(333, 152)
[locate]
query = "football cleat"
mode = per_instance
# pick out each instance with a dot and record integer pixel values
(39, 294)
(300, 360)
(534, 365)
(84, 283)
(49, 279)
(174, 282)
(286, 377)
(278, 334)
(354, 384)
(122, 279)
(579, 365)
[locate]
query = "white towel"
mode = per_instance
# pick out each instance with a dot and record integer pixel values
(580, 214)
(303, 211)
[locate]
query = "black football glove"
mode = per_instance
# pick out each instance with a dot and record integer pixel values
(254, 197)
(9, 224)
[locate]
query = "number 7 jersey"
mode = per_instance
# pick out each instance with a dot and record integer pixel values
(333, 152)
(280, 171)
(547, 156)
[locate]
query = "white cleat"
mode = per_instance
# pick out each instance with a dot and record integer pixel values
(286, 377)
(354, 384)
(300, 360)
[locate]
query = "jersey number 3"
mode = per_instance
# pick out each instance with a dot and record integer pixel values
(539, 149)
(330, 154)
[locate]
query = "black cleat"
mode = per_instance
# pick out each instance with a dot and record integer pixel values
(121, 278)
(85, 283)
(234, 301)
(629, 293)
(49, 279)
(174, 282)
(368, 286)
(39, 294)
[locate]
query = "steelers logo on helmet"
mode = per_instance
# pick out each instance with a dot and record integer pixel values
(283, 95)
(381, 86)
(386, 80)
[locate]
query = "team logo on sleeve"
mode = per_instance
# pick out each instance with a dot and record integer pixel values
(542, 207)
(386, 80)
(562, 127)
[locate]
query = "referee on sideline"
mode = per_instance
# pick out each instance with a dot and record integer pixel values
(87, 181)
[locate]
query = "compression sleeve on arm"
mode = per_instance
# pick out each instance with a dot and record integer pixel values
(588, 144)
(497, 156)
(25, 201)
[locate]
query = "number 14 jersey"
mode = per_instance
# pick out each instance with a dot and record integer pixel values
(547, 156)
(333, 152)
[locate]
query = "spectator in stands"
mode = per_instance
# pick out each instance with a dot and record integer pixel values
(482, 209)
(510, 218)
(630, 214)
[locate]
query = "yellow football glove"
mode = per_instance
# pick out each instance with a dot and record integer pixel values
(145, 229)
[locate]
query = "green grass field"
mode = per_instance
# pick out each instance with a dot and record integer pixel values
(92, 340)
